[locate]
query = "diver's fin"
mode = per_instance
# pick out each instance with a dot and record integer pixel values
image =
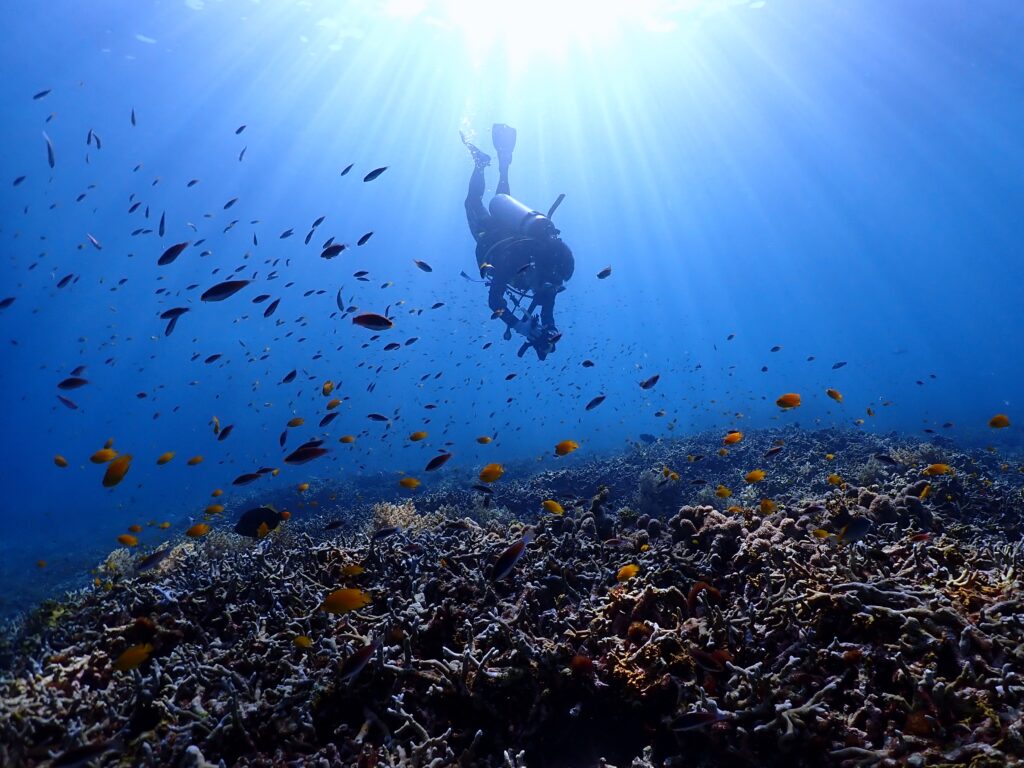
(554, 205)
(504, 139)
(480, 159)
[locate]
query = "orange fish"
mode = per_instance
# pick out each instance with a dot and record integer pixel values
(754, 476)
(197, 530)
(347, 439)
(163, 458)
(136, 528)
(410, 483)
(214, 509)
(301, 641)
(768, 506)
(352, 569)
(286, 515)
(217, 492)
(722, 492)
(938, 469)
(302, 487)
(491, 472)
(164, 525)
(834, 394)
(116, 470)
(553, 507)
(327, 388)
(128, 540)
(333, 404)
(566, 447)
(195, 460)
(483, 439)
(999, 421)
(788, 400)
(345, 600)
(60, 461)
(417, 436)
(732, 437)
(835, 479)
(298, 421)
(103, 455)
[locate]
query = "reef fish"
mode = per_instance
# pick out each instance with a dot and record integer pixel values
(345, 600)
(508, 559)
(251, 520)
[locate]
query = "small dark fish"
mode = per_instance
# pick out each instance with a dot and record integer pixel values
(837, 366)
(271, 308)
(328, 418)
(5, 303)
(333, 525)
(72, 382)
(383, 533)
(648, 438)
(41, 94)
(248, 477)
(372, 321)
(306, 453)
(355, 663)
(885, 458)
(170, 314)
(594, 403)
(423, 265)
(363, 240)
(775, 449)
(437, 462)
(377, 417)
(286, 234)
(230, 203)
(347, 168)
(79, 370)
(239, 129)
(261, 298)
(224, 290)
(68, 402)
(776, 348)
(241, 154)
(153, 559)
(508, 559)
(171, 253)
(289, 377)
(374, 173)
(648, 383)
(51, 156)
(133, 115)
(604, 273)
(160, 228)
(730, 337)
(18, 181)
(224, 432)
(192, 183)
(251, 520)
(332, 250)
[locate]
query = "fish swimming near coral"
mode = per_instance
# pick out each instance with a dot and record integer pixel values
(251, 520)
(508, 559)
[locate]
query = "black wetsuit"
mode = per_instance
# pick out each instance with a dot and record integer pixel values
(509, 261)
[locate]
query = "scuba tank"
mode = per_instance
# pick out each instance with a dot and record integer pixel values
(514, 219)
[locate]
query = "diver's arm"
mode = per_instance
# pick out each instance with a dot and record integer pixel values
(547, 313)
(496, 301)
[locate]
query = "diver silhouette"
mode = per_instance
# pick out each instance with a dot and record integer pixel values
(518, 251)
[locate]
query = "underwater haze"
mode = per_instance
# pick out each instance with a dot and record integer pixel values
(841, 180)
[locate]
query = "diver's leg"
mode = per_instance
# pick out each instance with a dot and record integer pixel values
(477, 216)
(504, 138)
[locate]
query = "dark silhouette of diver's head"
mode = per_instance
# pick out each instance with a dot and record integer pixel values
(553, 263)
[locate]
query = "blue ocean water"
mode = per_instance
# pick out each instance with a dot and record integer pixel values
(842, 180)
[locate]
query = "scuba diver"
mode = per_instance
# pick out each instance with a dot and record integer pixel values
(518, 250)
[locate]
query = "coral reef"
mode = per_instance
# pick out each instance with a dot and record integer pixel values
(741, 639)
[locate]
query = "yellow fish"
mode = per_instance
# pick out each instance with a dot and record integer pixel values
(732, 437)
(128, 540)
(768, 506)
(938, 469)
(163, 458)
(722, 492)
(214, 509)
(103, 455)
(347, 439)
(627, 572)
(302, 487)
(835, 479)
(417, 436)
(834, 394)
(301, 641)
(553, 507)
(197, 530)
(195, 460)
(327, 388)
(133, 657)
(410, 483)
(754, 476)
(352, 569)
(483, 439)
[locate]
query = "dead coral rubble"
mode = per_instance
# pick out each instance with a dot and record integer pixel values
(743, 640)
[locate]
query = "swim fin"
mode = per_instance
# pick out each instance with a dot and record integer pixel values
(504, 140)
(480, 159)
